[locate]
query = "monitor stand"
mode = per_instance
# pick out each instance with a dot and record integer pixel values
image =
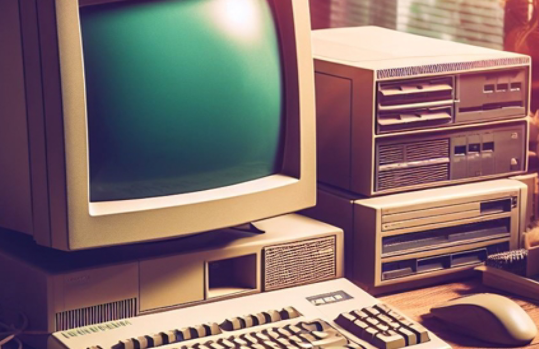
(250, 228)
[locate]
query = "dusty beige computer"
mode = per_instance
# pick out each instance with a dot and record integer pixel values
(153, 139)
(399, 112)
(410, 239)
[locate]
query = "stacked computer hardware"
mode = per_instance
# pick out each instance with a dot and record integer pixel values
(417, 140)
(140, 175)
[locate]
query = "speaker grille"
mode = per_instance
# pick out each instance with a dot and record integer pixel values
(299, 263)
(409, 152)
(405, 177)
(429, 69)
(69, 319)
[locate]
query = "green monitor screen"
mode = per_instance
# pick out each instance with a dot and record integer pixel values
(182, 96)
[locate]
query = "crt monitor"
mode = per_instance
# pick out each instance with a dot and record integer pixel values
(142, 120)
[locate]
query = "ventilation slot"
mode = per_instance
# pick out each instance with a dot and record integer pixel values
(422, 70)
(427, 150)
(402, 165)
(67, 320)
(299, 263)
(398, 178)
(391, 154)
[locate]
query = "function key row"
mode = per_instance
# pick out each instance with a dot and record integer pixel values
(262, 318)
(206, 330)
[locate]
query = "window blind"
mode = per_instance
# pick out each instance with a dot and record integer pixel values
(477, 22)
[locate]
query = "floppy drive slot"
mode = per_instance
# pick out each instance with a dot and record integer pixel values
(415, 91)
(496, 206)
(443, 237)
(406, 119)
(433, 263)
(469, 258)
(414, 266)
(444, 214)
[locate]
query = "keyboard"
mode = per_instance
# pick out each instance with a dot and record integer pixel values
(331, 314)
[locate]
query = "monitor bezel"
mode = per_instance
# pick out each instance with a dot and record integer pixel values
(98, 224)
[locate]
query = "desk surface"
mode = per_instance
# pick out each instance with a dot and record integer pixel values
(416, 304)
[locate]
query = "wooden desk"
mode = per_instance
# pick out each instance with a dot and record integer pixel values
(417, 303)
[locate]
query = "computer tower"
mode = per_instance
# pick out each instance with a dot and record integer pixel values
(418, 238)
(398, 112)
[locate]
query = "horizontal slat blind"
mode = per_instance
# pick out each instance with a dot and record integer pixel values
(478, 22)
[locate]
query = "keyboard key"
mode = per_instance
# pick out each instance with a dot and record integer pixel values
(261, 337)
(359, 314)
(183, 334)
(231, 324)
(372, 321)
(270, 345)
(394, 325)
(383, 308)
(345, 320)
(371, 311)
(391, 340)
(421, 332)
(261, 318)
(272, 333)
(369, 334)
(169, 336)
(408, 335)
(332, 341)
(128, 344)
(382, 327)
(249, 320)
(289, 313)
(294, 329)
(212, 329)
(226, 343)
(249, 339)
(198, 331)
(239, 341)
(274, 315)
(385, 319)
(320, 335)
(307, 337)
(358, 327)
(284, 332)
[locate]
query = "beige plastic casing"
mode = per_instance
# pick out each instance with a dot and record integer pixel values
(349, 65)
(59, 207)
(362, 222)
(158, 277)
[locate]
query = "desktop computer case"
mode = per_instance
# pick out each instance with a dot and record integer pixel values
(399, 112)
(413, 239)
(60, 291)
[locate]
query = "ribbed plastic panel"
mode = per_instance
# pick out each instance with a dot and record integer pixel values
(422, 70)
(390, 154)
(434, 149)
(405, 177)
(299, 263)
(69, 319)
(408, 152)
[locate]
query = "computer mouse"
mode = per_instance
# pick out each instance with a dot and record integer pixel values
(488, 317)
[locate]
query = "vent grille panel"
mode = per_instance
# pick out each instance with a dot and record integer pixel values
(405, 177)
(299, 263)
(70, 319)
(391, 154)
(427, 150)
(419, 151)
(429, 69)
